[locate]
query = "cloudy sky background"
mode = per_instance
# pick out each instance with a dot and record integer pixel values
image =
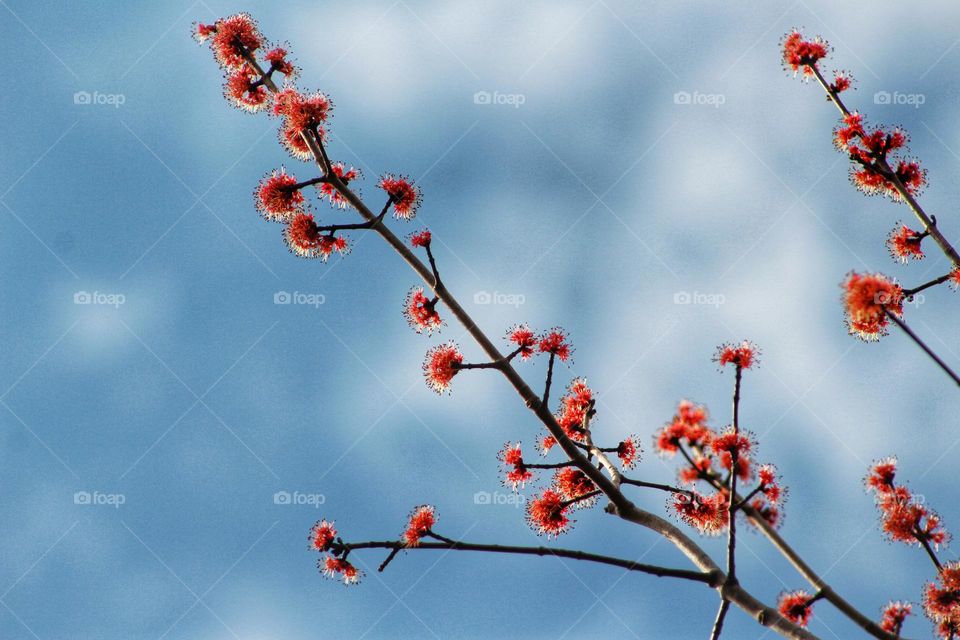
(596, 202)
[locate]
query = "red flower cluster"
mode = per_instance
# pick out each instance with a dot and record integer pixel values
(574, 406)
(801, 55)
(547, 514)
(545, 443)
(421, 238)
(421, 312)
(707, 513)
(796, 607)
(522, 336)
(557, 343)
(421, 521)
(517, 473)
(902, 517)
(842, 80)
(322, 536)
(893, 616)
(905, 243)
(245, 91)
(231, 38)
(305, 239)
(871, 152)
(302, 115)
(743, 355)
(439, 367)
(867, 297)
(941, 600)
(404, 195)
(277, 57)
(688, 426)
(338, 568)
(572, 484)
(628, 451)
(328, 191)
(728, 442)
(276, 198)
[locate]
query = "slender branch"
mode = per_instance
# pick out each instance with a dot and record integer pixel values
(907, 293)
(731, 498)
(718, 623)
(476, 365)
(923, 345)
(926, 547)
(546, 389)
(433, 267)
(653, 485)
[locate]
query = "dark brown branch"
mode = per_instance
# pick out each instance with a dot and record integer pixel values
(546, 390)
(907, 293)
(923, 345)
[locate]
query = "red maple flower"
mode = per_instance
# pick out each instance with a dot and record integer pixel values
(872, 181)
(277, 57)
(905, 519)
(404, 195)
(203, 32)
(421, 313)
(798, 53)
(905, 243)
(242, 89)
(330, 192)
(894, 613)
(795, 606)
(743, 355)
(770, 485)
(517, 473)
(305, 240)
(628, 450)
(846, 135)
(231, 38)
(572, 484)
(420, 238)
(556, 342)
(421, 521)
(730, 441)
(881, 475)
(767, 511)
(699, 470)
(689, 424)
(338, 568)
(842, 80)
(867, 297)
(545, 443)
(302, 115)
(547, 514)
(941, 600)
(523, 337)
(275, 197)
(707, 513)
(955, 278)
(574, 406)
(322, 535)
(440, 366)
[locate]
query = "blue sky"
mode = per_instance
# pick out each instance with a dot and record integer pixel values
(185, 393)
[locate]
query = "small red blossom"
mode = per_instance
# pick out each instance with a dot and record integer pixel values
(699, 470)
(421, 238)
(872, 181)
(232, 37)
(203, 32)
(770, 485)
(421, 521)
(628, 450)
(302, 115)
(277, 57)
(707, 513)
(770, 513)
(941, 599)
(882, 474)
(689, 424)
(557, 343)
(547, 514)
(796, 607)
(439, 367)
(842, 80)
(276, 199)
(522, 336)
(572, 484)
(516, 472)
(743, 355)
(305, 239)
(404, 195)
(867, 297)
(546, 443)
(242, 89)
(848, 132)
(322, 536)
(328, 191)
(421, 313)
(894, 613)
(338, 568)
(730, 441)
(905, 243)
(801, 55)
(574, 407)
(955, 279)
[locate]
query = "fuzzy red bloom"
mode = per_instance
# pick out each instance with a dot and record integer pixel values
(905, 243)
(556, 342)
(516, 472)
(574, 406)
(893, 616)
(338, 568)
(795, 606)
(707, 513)
(691, 473)
(905, 520)
(729, 441)
(770, 484)
(872, 182)
(421, 238)
(231, 37)
(547, 514)
(847, 134)
(203, 32)
(767, 511)
(305, 240)
(628, 451)
(322, 535)
(546, 443)
(881, 475)
(523, 337)
(941, 600)
(277, 57)
(743, 355)
(800, 55)
(688, 424)
(955, 279)
(421, 313)
(866, 297)
(421, 521)
(842, 80)
(242, 90)
(572, 483)
(276, 199)
(328, 191)
(439, 367)
(404, 195)
(302, 114)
